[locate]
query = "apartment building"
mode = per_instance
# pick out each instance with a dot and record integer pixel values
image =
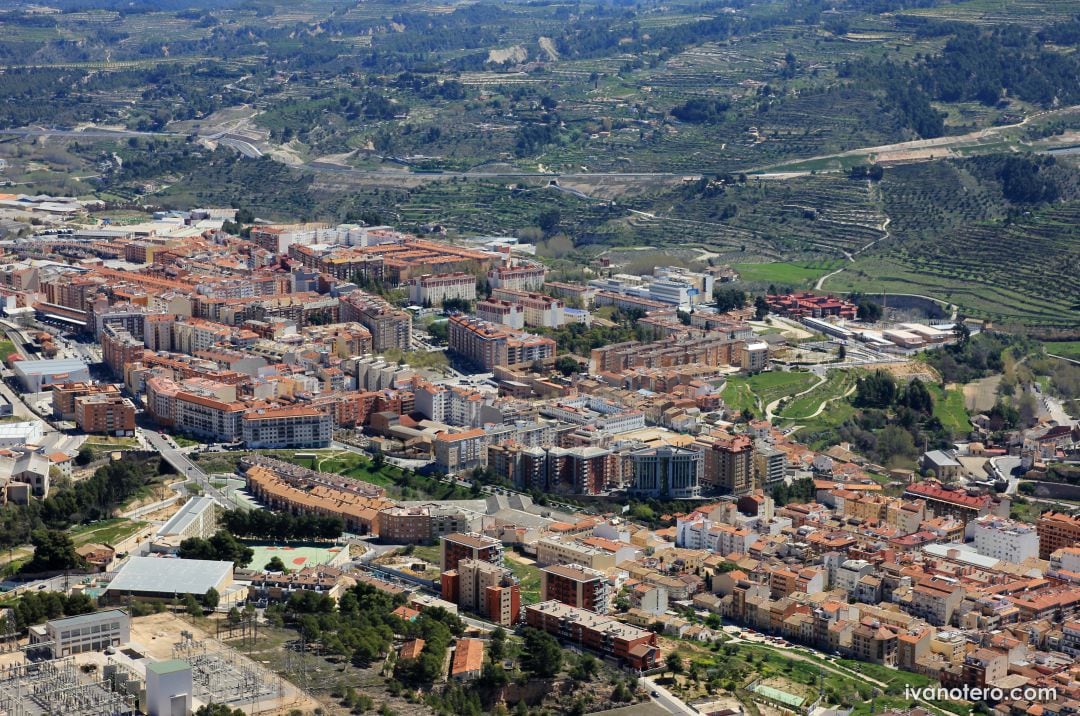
(292, 427)
(470, 545)
(712, 349)
(119, 348)
(936, 601)
(1056, 530)
(417, 524)
(64, 395)
(195, 334)
(108, 413)
(479, 586)
(696, 531)
(577, 586)
(728, 462)
(562, 550)
(390, 327)
(488, 345)
(284, 486)
(631, 645)
(956, 502)
(457, 452)
(503, 313)
(208, 416)
(523, 277)
(770, 464)
(540, 309)
(434, 289)
(1006, 539)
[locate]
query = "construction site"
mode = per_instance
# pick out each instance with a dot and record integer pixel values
(119, 681)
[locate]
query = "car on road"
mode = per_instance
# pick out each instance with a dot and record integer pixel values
(655, 694)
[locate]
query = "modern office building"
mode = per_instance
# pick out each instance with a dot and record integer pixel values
(667, 472)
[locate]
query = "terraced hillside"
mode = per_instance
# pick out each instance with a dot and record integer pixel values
(824, 215)
(1019, 271)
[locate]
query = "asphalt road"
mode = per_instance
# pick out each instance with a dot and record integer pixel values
(186, 467)
(665, 698)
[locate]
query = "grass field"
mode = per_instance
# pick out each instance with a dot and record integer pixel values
(529, 577)
(1065, 349)
(803, 407)
(6, 348)
(950, 410)
(428, 553)
(796, 274)
(757, 391)
(107, 531)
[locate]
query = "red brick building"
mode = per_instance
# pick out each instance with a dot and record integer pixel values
(576, 586)
(635, 647)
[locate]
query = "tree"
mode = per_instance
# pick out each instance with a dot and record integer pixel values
(233, 617)
(761, 308)
(211, 599)
(567, 365)
(728, 299)
(895, 442)
(53, 552)
(275, 565)
(497, 648)
(378, 460)
(869, 311)
(841, 353)
(222, 546)
(543, 655)
(85, 456)
(192, 606)
(876, 390)
(917, 397)
(674, 663)
(549, 220)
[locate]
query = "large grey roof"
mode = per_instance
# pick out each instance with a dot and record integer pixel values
(49, 367)
(164, 575)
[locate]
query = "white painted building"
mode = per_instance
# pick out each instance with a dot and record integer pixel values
(168, 688)
(1005, 539)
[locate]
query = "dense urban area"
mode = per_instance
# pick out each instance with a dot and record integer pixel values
(538, 358)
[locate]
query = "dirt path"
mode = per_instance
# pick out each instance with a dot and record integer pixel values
(919, 144)
(771, 407)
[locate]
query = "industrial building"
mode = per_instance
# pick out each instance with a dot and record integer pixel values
(37, 375)
(86, 632)
(169, 578)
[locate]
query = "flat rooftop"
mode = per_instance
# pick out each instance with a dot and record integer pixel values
(163, 575)
(191, 511)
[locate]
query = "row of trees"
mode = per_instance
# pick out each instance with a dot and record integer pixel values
(222, 546)
(36, 607)
(281, 525)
